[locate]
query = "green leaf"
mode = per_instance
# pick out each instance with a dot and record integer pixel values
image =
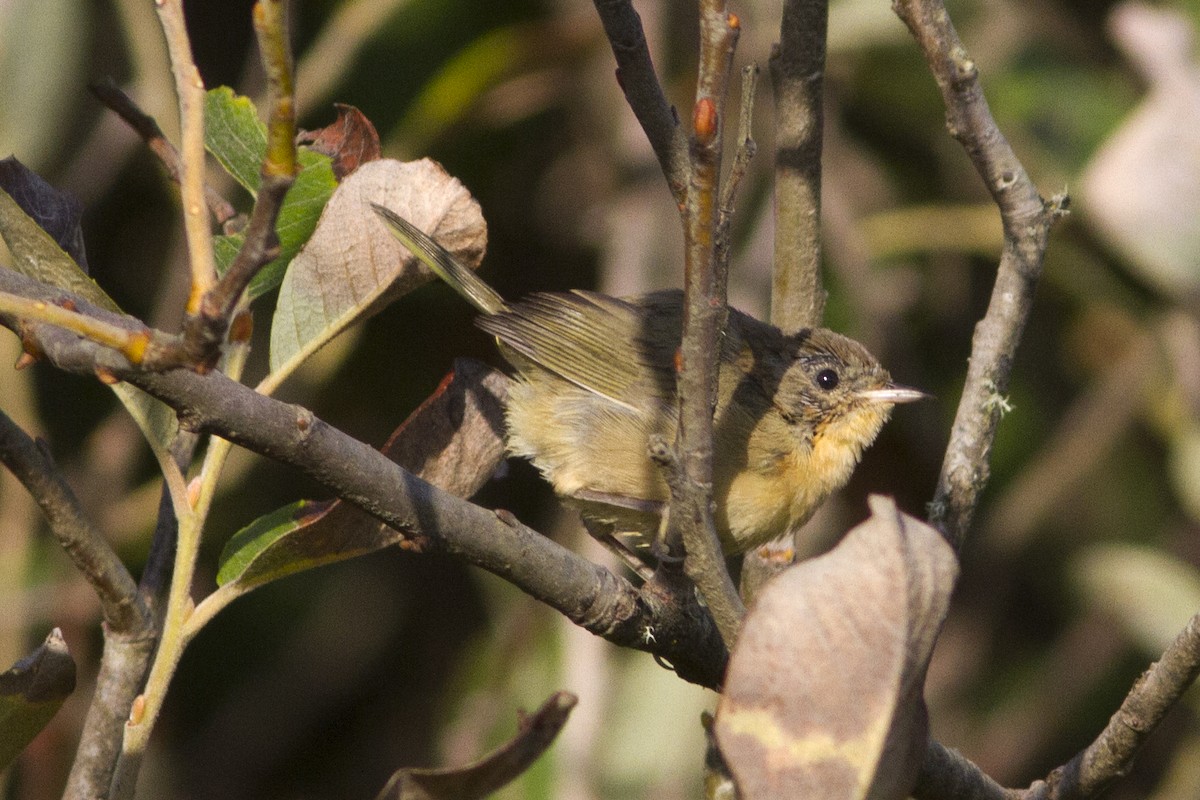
(238, 139)
(31, 694)
(37, 255)
(235, 135)
(247, 545)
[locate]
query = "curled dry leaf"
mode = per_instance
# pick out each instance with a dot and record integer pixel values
(1145, 205)
(535, 734)
(823, 698)
(31, 692)
(56, 212)
(352, 267)
(351, 140)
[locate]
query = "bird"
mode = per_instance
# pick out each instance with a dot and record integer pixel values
(595, 388)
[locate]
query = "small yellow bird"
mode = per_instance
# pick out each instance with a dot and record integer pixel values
(595, 385)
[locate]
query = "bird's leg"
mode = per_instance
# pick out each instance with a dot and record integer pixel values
(602, 532)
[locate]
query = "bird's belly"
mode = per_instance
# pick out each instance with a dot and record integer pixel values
(756, 509)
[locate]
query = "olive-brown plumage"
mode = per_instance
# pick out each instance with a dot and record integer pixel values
(596, 385)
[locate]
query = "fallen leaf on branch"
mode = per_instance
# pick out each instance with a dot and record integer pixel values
(823, 697)
(534, 735)
(31, 694)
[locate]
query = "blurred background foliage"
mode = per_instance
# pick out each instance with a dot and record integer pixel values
(1083, 561)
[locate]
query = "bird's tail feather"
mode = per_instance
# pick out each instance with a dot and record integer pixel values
(445, 266)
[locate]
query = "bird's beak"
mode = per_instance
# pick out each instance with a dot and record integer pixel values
(894, 393)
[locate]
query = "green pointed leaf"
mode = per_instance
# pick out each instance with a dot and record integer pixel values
(235, 135)
(37, 255)
(238, 139)
(248, 546)
(31, 694)
(352, 267)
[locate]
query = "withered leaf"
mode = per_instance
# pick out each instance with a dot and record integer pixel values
(351, 140)
(823, 697)
(352, 267)
(55, 211)
(534, 735)
(31, 692)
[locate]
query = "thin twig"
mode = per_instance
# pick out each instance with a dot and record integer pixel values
(190, 89)
(146, 127)
(205, 329)
(690, 514)
(131, 344)
(120, 602)
(798, 72)
(1112, 753)
(1027, 221)
(644, 93)
(746, 148)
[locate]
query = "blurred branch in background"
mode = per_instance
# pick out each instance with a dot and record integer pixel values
(798, 77)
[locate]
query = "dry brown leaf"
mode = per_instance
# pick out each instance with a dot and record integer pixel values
(352, 267)
(823, 697)
(350, 140)
(480, 779)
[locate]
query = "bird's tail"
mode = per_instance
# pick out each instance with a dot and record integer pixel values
(445, 266)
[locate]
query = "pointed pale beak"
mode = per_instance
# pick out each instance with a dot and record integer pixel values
(894, 393)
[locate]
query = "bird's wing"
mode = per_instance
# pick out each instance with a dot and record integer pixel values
(622, 350)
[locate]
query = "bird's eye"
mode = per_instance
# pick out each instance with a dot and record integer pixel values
(827, 379)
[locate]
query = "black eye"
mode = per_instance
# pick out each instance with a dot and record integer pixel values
(827, 379)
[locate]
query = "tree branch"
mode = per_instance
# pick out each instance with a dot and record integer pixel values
(190, 90)
(120, 602)
(643, 92)
(205, 329)
(1111, 754)
(589, 595)
(798, 74)
(129, 631)
(690, 515)
(146, 127)
(1027, 221)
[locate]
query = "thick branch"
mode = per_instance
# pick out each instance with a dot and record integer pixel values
(587, 594)
(798, 73)
(643, 92)
(1027, 222)
(947, 774)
